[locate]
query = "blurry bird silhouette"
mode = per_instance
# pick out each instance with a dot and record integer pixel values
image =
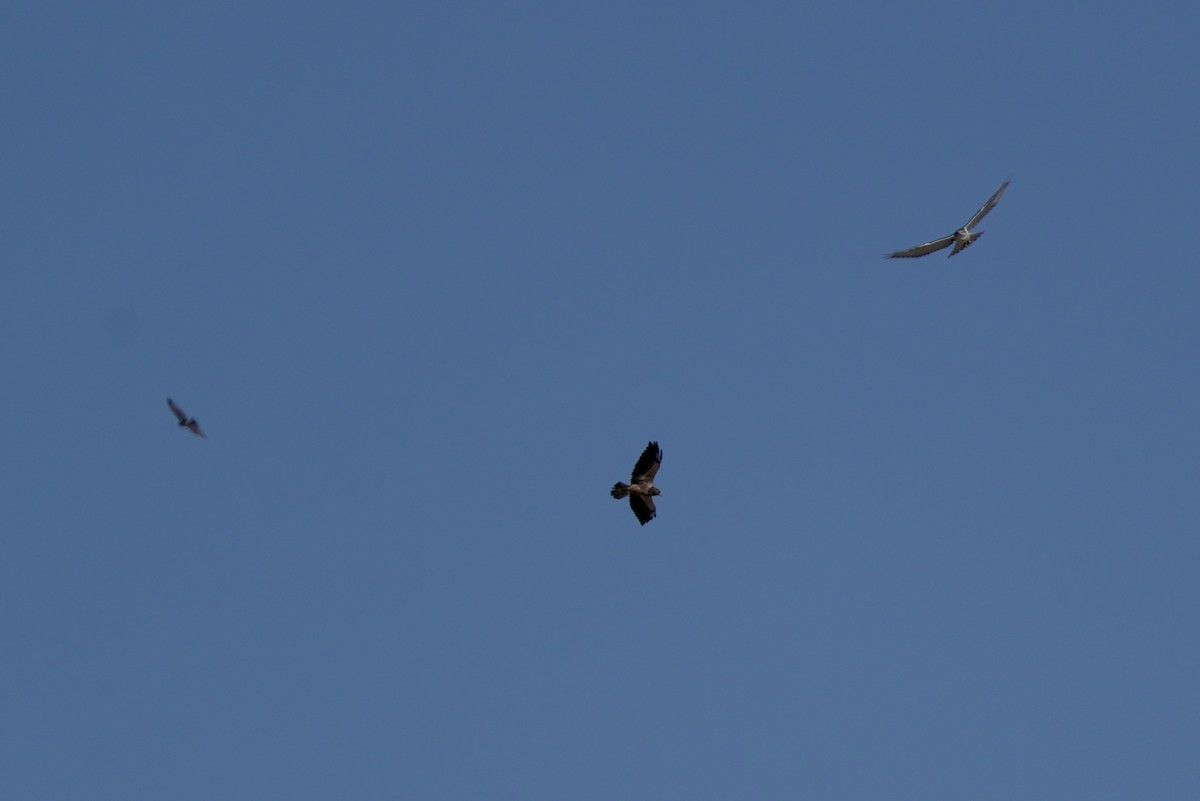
(184, 420)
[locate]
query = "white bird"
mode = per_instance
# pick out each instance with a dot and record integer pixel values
(961, 238)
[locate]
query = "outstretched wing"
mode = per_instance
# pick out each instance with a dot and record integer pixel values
(178, 412)
(646, 467)
(923, 250)
(195, 428)
(643, 508)
(986, 207)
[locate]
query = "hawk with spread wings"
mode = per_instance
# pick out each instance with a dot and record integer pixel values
(185, 421)
(962, 238)
(641, 489)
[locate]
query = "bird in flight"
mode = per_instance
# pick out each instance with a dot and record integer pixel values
(641, 489)
(962, 238)
(184, 420)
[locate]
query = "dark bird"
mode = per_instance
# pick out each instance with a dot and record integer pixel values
(641, 489)
(184, 420)
(962, 238)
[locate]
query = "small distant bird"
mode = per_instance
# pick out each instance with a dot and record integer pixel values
(184, 420)
(641, 488)
(962, 238)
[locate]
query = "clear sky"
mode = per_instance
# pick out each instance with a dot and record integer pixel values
(431, 274)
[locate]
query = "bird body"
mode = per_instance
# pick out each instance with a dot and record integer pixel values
(641, 489)
(963, 238)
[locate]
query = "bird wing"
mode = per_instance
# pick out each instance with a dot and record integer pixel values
(643, 508)
(195, 427)
(647, 465)
(986, 207)
(922, 250)
(178, 412)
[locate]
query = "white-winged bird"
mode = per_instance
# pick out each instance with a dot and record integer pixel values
(641, 489)
(184, 420)
(961, 238)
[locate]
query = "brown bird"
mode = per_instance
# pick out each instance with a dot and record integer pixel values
(962, 238)
(641, 490)
(184, 420)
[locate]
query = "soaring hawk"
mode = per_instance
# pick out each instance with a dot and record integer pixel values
(641, 489)
(961, 238)
(184, 420)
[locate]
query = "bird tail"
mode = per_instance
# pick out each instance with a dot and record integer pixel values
(620, 490)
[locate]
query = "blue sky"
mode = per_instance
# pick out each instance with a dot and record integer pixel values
(431, 275)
